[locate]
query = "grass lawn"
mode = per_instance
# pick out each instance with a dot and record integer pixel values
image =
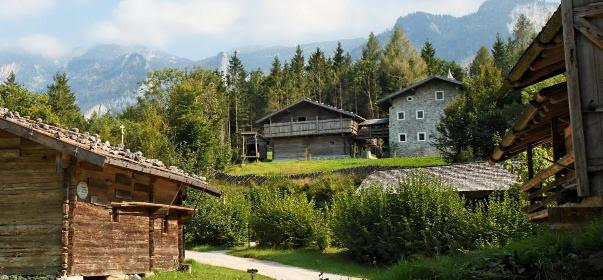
(309, 166)
(331, 260)
(207, 248)
(206, 272)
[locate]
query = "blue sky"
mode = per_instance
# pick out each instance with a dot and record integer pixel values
(199, 28)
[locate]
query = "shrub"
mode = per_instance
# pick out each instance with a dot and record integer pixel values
(501, 219)
(422, 215)
(323, 189)
(218, 222)
(288, 220)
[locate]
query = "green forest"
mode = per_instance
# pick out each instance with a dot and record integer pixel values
(192, 118)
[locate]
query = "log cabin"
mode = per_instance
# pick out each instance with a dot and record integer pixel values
(309, 129)
(76, 207)
(567, 117)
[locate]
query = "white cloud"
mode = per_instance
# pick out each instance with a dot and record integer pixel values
(44, 45)
(157, 22)
(11, 9)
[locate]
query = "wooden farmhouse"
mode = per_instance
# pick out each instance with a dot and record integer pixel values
(310, 130)
(77, 207)
(567, 117)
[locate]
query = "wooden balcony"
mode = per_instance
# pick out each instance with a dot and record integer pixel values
(315, 127)
(373, 132)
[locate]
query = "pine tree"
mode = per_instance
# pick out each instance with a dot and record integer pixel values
(63, 102)
(274, 86)
(298, 63)
(401, 65)
(501, 55)
(366, 77)
(341, 65)
(482, 57)
(428, 55)
(235, 81)
(318, 75)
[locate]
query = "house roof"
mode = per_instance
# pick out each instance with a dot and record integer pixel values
(316, 103)
(385, 102)
(544, 58)
(465, 177)
(534, 126)
(89, 148)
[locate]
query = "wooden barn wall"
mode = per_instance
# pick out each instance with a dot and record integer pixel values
(31, 198)
(310, 112)
(132, 242)
(320, 146)
(103, 246)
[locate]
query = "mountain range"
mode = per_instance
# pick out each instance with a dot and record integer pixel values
(107, 77)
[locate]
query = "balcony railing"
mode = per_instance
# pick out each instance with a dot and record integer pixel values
(316, 127)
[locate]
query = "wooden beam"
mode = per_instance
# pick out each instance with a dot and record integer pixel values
(574, 98)
(530, 162)
(538, 216)
(590, 31)
(559, 165)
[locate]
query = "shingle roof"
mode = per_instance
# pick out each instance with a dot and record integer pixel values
(329, 107)
(385, 102)
(466, 177)
(89, 147)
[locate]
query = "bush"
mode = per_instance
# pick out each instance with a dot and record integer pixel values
(574, 254)
(323, 189)
(501, 219)
(288, 220)
(217, 222)
(422, 216)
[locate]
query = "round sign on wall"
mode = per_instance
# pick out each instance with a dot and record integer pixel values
(82, 190)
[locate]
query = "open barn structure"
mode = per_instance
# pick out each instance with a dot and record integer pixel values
(568, 117)
(76, 207)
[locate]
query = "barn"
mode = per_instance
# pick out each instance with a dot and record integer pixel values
(309, 129)
(566, 116)
(78, 207)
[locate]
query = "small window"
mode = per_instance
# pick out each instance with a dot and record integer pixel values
(122, 194)
(439, 95)
(409, 98)
(332, 142)
(401, 116)
(421, 136)
(420, 114)
(402, 137)
(301, 119)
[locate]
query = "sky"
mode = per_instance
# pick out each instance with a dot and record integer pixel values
(197, 29)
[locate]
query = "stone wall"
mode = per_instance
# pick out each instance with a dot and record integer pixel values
(423, 98)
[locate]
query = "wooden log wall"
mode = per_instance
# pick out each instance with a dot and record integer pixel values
(108, 241)
(322, 146)
(31, 199)
(103, 246)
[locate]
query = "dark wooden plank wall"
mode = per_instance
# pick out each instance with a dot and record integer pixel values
(584, 64)
(320, 146)
(134, 242)
(31, 197)
(306, 110)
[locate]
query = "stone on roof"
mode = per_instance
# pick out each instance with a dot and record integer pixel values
(466, 177)
(79, 143)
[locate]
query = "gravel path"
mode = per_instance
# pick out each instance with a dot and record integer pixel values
(271, 269)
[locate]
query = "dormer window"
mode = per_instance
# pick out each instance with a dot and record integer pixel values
(420, 114)
(401, 116)
(409, 98)
(439, 95)
(301, 119)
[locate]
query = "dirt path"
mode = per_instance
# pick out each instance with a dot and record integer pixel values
(271, 269)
